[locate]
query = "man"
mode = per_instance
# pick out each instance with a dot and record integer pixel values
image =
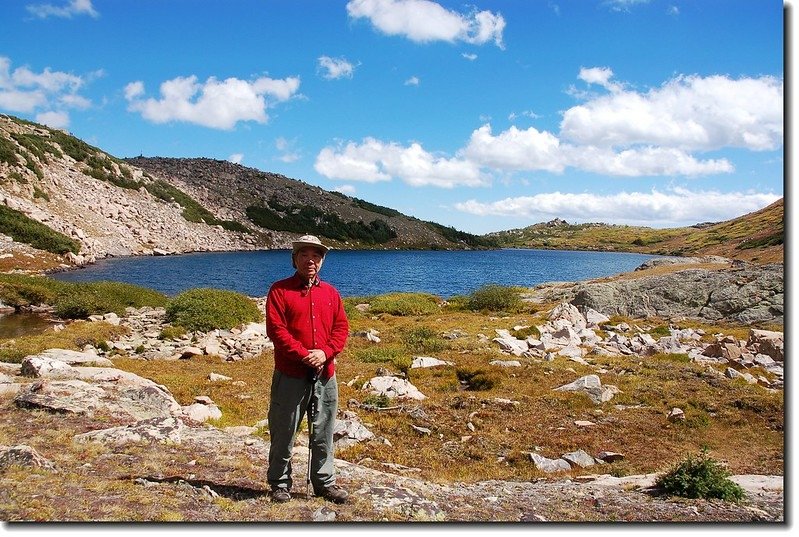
(305, 320)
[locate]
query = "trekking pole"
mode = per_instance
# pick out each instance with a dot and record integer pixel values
(312, 402)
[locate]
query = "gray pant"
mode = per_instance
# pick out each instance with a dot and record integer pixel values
(288, 404)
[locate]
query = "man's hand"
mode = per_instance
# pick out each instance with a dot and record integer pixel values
(316, 358)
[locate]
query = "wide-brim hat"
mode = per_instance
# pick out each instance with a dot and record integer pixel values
(308, 240)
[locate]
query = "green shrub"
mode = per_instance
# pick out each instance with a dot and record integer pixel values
(405, 304)
(23, 229)
(80, 300)
(660, 331)
(423, 340)
(172, 332)
(458, 303)
(75, 148)
(350, 309)
(477, 379)
(526, 332)
(192, 210)
(379, 354)
(700, 477)
(39, 193)
(8, 152)
(677, 358)
(377, 401)
(306, 219)
(19, 290)
(402, 362)
(76, 300)
(205, 309)
(74, 336)
(494, 297)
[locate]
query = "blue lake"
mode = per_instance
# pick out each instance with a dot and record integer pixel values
(362, 273)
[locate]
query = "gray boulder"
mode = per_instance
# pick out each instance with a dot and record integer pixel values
(549, 465)
(349, 431)
(591, 386)
(153, 430)
(23, 456)
(393, 387)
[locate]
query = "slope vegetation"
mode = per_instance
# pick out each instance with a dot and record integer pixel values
(757, 237)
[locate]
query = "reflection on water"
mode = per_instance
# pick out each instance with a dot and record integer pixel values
(22, 324)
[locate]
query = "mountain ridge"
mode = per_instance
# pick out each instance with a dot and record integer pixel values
(107, 206)
(757, 237)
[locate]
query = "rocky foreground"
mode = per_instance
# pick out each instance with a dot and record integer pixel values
(148, 418)
(134, 423)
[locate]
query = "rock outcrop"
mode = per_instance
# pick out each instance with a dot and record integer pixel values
(742, 293)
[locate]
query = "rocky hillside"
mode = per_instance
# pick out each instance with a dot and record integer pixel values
(263, 200)
(756, 236)
(94, 205)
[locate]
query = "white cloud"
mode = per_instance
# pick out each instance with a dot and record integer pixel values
(469, 56)
(598, 75)
(677, 207)
(413, 81)
(215, 104)
(48, 93)
(68, 10)
(516, 149)
(346, 189)
(236, 158)
(642, 161)
(624, 5)
(424, 21)
(353, 162)
(334, 68)
(288, 152)
(687, 112)
(71, 100)
(56, 120)
(621, 134)
(134, 90)
(513, 116)
(373, 161)
(532, 150)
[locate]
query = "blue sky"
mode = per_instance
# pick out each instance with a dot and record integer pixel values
(482, 115)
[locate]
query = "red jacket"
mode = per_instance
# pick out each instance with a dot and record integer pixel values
(299, 319)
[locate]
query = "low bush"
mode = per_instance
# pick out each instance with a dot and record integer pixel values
(403, 304)
(21, 228)
(76, 300)
(376, 401)
(495, 298)
(172, 332)
(74, 336)
(80, 300)
(205, 309)
(477, 379)
(524, 333)
(381, 354)
(423, 340)
(18, 290)
(700, 477)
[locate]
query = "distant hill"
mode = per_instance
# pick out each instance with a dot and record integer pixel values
(62, 196)
(756, 236)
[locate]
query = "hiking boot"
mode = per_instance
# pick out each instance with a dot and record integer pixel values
(334, 493)
(281, 495)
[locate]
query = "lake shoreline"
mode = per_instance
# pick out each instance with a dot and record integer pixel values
(445, 273)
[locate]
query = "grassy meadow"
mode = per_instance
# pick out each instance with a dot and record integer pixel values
(472, 437)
